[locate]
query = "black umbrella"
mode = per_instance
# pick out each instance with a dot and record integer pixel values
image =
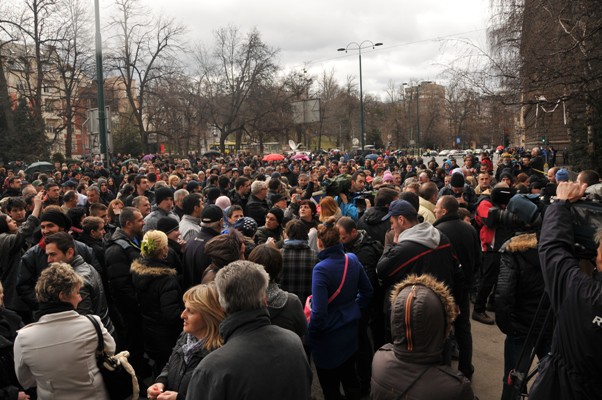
(40, 166)
(212, 153)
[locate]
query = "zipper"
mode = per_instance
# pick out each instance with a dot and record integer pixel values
(409, 317)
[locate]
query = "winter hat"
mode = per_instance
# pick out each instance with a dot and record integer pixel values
(388, 176)
(457, 180)
(56, 217)
(212, 213)
(246, 225)
(223, 202)
(562, 175)
(162, 193)
(101, 181)
(37, 183)
(192, 186)
(278, 213)
(507, 175)
(167, 225)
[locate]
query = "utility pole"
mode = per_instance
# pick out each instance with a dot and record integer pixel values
(102, 126)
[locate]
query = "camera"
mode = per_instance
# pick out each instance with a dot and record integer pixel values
(587, 220)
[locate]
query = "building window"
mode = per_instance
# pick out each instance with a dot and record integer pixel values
(46, 89)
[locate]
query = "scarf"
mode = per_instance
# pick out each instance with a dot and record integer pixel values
(191, 346)
(276, 297)
(52, 308)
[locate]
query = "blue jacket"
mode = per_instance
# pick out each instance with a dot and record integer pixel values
(333, 328)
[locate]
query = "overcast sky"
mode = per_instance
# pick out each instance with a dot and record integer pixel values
(309, 32)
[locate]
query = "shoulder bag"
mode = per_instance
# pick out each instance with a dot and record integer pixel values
(120, 382)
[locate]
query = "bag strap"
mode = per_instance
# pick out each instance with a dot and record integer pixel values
(101, 343)
(336, 293)
(413, 382)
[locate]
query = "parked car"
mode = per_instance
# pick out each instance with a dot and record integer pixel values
(444, 153)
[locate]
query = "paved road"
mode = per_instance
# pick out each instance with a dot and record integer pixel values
(488, 360)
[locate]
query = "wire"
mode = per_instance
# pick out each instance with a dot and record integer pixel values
(383, 47)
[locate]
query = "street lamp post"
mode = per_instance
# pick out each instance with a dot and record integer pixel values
(102, 127)
(359, 46)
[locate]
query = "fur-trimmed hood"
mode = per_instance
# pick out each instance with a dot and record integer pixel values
(152, 267)
(521, 243)
(422, 312)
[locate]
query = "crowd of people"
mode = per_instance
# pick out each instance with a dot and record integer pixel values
(225, 277)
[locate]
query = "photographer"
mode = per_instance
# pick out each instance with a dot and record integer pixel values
(572, 369)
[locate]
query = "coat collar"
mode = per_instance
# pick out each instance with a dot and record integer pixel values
(242, 322)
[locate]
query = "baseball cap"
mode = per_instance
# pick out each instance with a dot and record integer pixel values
(212, 213)
(400, 207)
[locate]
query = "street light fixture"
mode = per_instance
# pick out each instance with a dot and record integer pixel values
(359, 46)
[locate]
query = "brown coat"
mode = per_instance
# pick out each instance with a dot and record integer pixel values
(412, 362)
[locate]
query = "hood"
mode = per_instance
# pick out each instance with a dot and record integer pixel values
(423, 233)
(422, 312)
(119, 234)
(521, 243)
(152, 267)
(374, 215)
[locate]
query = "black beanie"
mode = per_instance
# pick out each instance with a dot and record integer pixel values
(56, 217)
(457, 180)
(278, 213)
(162, 193)
(167, 225)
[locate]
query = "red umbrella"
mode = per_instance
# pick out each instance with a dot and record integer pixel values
(500, 148)
(273, 157)
(300, 156)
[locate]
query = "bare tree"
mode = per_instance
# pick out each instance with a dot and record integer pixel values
(231, 71)
(35, 26)
(146, 53)
(72, 59)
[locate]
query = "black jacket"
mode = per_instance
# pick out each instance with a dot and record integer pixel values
(257, 209)
(413, 255)
(92, 292)
(176, 374)
(10, 322)
(368, 252)
(572, 371)
(34, 261)
(160, 303)
(120, 252)
(520, 287)
(195, 262)
(465, 244)
(97, 246)
(372, 223)
(257, 361)
(12, 248)
(237, 199)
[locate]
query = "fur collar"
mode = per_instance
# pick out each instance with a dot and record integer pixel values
(152, 267)
(524, 242)
(439, 288)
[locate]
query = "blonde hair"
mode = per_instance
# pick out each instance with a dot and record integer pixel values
(154, 244)
(203, 299)
(56, 279)
(329, 208)
(172, 179)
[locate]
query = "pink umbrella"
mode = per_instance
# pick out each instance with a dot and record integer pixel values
(300, 156)
(273, 157)
(148, 157)
(500, 148)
